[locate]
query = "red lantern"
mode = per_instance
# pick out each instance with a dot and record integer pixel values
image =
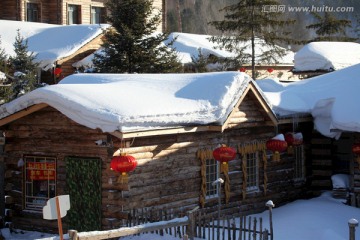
(123, 164)
(270, 70)
(294, 139)
(242, 69)
(356, 148)
(277, 145)
(57, 71)
(224, 154)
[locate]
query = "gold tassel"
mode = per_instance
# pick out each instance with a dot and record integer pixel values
(123, 178)
(290, 150)
(276, 156)
(225, 170)
(202, 154)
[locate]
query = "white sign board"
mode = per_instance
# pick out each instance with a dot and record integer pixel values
(50, 210)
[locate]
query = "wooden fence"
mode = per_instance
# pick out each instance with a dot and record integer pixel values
(200, 223)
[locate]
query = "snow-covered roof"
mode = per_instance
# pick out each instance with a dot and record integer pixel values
(50, 42)
(332, 99)
(187, 45)
(135, 102)
(327, 56)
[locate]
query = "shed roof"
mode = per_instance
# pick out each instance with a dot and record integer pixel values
(141, 102)
(49, 42)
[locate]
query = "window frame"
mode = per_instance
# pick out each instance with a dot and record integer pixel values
(299, 162)
(30, 9)
(73, 10)
(252, 171)
(47, 165)
(101, 14)
(212, 191)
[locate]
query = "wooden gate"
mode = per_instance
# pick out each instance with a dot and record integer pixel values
(83, 180)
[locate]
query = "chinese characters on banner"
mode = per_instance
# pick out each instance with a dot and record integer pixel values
(40, 171)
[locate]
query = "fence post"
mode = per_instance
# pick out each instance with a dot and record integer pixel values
(190, 230)
(72, 234)
(270, 205)
(353, 223)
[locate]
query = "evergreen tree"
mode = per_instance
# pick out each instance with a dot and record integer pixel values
(252, 23)
(4, 89)
(200, 62)
(132, 45)
(329, 28)
(24, 69)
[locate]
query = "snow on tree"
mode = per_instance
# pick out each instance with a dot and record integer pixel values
(24, 69)
(132, 45)
(254, 22)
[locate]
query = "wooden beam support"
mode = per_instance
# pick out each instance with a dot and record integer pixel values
(22, 113)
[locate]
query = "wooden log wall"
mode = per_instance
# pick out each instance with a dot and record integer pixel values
(45, 133)
(168, 172)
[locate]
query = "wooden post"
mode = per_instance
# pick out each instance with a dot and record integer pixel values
(270, 205)
(59, 218)
(353, 223)
(73, 234)
(190, 230)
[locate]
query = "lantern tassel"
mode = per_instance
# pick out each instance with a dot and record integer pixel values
(123, 178)
(276, 156)
(290, 150)
(358, 161)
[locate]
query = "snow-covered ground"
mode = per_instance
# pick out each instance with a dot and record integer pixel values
(320, 218)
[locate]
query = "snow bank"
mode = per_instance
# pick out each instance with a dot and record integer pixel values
(332, 99)
(130, 102)
(327, 56)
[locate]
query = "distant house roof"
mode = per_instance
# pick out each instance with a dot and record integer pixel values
(326, 56)
(140, 102)
(50, 42)
(187, 45)
(332, 99)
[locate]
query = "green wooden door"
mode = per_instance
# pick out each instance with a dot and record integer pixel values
(83, 180)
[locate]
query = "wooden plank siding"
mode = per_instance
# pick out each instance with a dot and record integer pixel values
(55, 12)
(168, 172)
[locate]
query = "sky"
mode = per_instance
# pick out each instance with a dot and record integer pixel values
(319, 218)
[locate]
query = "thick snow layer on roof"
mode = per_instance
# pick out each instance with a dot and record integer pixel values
(50, 42)
(130, 102)
(327, 56)
(187, 45)
(332, 99)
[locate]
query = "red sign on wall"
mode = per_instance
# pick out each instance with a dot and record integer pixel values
(40, 171)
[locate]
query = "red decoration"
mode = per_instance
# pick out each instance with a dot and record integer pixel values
(57, 71)
(277, 145)
(270, 70)
(224, 154)
(123, 164)
(293, 139)
(356, 148)
(242, 69)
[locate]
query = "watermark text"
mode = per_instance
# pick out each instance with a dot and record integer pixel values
(318, 9)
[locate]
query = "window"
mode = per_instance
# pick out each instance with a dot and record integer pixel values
(212, 174)
(299, 162)
(97, 15)
(32, 12)
(252, 171)
(40, 181)
(74, 14)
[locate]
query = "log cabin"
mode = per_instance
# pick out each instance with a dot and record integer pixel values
(63, 12)
(61, 139)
